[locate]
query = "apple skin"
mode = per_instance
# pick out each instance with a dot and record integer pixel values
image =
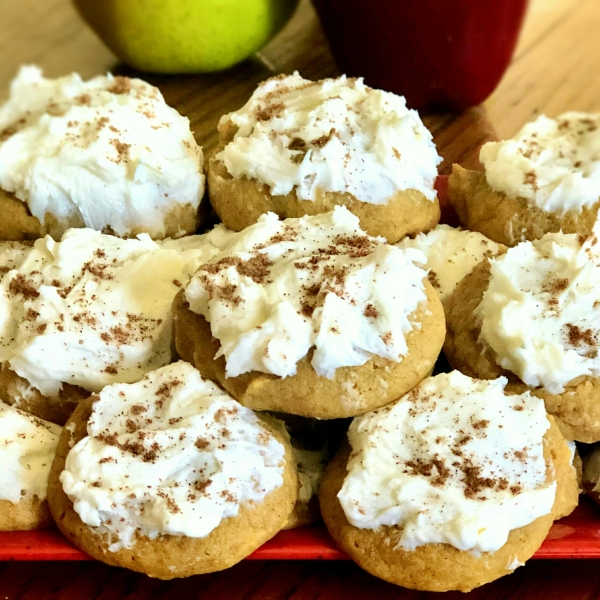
(436, 53)
(185, 36)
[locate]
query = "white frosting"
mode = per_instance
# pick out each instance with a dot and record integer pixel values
(450, 471)
(336, 135)
(278, 288)
(12, 255)
(451, 254)
(540, 313)
(171, 454)
(27, 448)
(553, 163)
(93, 309)
(107, 153)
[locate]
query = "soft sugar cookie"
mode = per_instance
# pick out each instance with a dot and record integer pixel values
(90, 310)
(108, 153)
(532, 315)
(545, 179)
(300, 147)
(452, 486)
(170, 476)
(310, 316)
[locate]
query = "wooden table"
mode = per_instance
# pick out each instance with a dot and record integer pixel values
(555, 69)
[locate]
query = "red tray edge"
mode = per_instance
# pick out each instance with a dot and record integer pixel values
(574, 537)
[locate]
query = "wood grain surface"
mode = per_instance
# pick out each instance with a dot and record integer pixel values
(555, 68)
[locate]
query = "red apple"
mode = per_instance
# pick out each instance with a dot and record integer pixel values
(451, 53)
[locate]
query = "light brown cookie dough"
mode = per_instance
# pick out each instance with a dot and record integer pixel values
(437, 567)
(169, 556)
(17, 223)
(576, 409)
(508, 220)
(352, 391)
(462, 347)
(30, 513)
(432, 567)
(240, 202)
(17, 391)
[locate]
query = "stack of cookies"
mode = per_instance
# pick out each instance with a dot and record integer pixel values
(204, 380)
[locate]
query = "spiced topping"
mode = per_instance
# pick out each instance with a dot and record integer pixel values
(136, 448)
(122, 150)
(578, 336)
(474, 483)
(530, 178)
(268, 112)
(202, 486)
(324, 139)
(370, 312)
(201, 443)
(256, 267)
(121, 85)
(556, 285)
(433, 279)
(19, 284)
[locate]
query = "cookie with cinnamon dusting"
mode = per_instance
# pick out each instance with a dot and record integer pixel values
(440, 566)
(505, 219)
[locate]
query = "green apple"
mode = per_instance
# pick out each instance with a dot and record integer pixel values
(185, 36)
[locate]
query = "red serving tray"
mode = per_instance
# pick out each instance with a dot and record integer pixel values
(575, 536)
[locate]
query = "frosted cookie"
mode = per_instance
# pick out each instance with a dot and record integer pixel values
(533, 315)
(451, 255)
(85, 312)
(170, 476)
(545, 179)
(310, 316)
(299, 147)
(450, 487)
(108, 154)
(27, 447)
